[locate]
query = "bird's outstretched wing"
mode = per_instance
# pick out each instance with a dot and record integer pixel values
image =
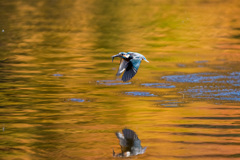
(129, 134)
(122, 67)
(131, 70)
(123, 142)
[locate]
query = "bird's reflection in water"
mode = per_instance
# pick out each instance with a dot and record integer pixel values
(130, 144)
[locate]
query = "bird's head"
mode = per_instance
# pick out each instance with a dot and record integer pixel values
(121, 55)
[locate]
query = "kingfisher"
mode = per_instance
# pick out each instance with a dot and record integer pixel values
(130, 144)
(129, 63)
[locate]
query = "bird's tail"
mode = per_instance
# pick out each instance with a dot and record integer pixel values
(146, 60)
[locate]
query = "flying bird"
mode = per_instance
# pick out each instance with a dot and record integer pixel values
(129, 63)
(130, 144)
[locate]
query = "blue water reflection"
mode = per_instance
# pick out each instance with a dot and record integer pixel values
(158, 85)
(223, 88)
(76, 100)
(137, 93)
(232, 78)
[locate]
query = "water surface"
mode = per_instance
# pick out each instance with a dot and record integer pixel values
(60, 98)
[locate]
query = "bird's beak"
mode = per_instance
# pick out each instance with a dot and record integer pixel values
(113, 153)
(117, 55)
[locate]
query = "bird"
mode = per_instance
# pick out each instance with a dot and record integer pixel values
(130, 144)
(129, 63)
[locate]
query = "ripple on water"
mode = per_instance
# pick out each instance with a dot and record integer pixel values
(136, 93)
(224, 87)
(158, 85)
(169, 103)
(232, 78)
(203, 61)
(57, 75)
(76, 100)
(194, 78)
(181, 65)
(112, 82)
(213, 93)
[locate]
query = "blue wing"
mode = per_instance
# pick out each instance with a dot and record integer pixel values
(131, 69)
(136, 63)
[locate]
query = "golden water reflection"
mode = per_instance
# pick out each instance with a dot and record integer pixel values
(60, 98)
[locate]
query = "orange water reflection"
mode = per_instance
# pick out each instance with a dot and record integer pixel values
(56, 100)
